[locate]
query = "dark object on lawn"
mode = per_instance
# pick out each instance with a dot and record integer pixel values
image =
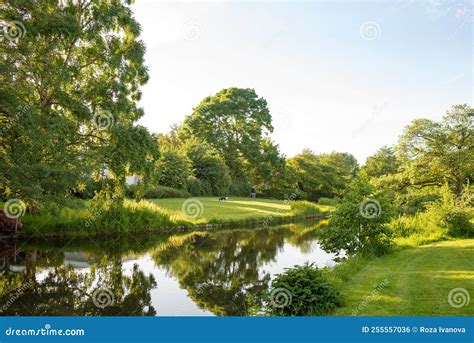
(223, 198)
(253, 193)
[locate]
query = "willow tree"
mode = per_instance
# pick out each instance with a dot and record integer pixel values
(71, 73)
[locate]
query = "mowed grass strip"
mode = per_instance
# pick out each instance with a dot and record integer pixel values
(234, 208)
(418, 282)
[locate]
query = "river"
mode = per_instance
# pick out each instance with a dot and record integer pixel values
(190, 274)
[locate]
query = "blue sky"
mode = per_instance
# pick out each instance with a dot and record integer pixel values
(337, 75)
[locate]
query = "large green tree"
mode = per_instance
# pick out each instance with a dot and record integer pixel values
(71, 73)
(234, 121)
(434, 153)
(383, 162)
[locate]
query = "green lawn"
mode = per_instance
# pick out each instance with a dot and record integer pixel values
(233, 209)
(418, 281)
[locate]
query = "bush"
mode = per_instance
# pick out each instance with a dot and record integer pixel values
(160, 192)
(304, 208)
(197, 187)
(240, 188)
(459, 225)
(105, 218)
(418, 229)
(360, 223)
(447, 216)
(302, 291)
(329, 201)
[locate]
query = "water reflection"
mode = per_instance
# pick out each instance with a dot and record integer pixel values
(222, 273)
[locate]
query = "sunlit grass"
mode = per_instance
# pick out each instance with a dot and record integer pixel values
(418, 281)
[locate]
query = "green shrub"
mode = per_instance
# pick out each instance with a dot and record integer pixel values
(240, 188)
(160, 192)
(105, 218)
(360, 223)
(304, 208)
(302, 291)
(459, 224)
(197, 187)
(418, 229)
(447, 216)
(329, 201)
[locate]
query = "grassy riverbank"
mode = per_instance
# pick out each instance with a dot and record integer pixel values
(410, 281)
(82, 218)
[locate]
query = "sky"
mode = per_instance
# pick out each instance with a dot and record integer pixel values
(337, 75)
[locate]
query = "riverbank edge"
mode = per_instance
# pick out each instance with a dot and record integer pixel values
(232, 224)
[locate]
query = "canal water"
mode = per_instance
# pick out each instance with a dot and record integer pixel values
(190, 274)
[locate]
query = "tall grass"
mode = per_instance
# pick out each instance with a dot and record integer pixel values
(129, 217)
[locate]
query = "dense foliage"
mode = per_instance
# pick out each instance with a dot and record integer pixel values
(359, 224)
(302, 291)
(68, 99)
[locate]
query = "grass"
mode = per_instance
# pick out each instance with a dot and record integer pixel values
(235, 208)
(163, 215)
(411, 281)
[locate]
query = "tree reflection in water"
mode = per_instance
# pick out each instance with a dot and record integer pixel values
(64, 290)
(222, 272)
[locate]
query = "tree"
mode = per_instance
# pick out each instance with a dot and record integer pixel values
(173, 169)
(208, 167)
(383, 162)
(433, 153)
(345, 168)
(68, 97)
(315, 180)
(234, 121)
(359, 224)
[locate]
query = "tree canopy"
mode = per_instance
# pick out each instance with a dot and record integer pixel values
(68, 97)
